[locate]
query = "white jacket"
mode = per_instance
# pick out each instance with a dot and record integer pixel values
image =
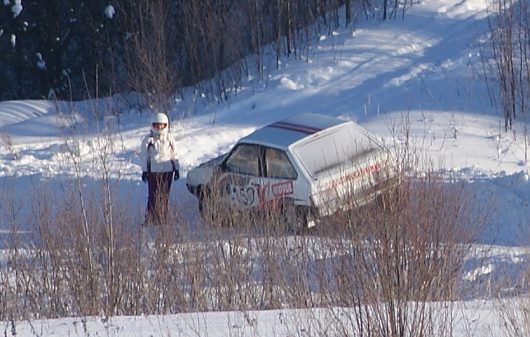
(158, 154)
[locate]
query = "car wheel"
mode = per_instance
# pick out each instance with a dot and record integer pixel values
(295, 217)
(205, 203)
(389, 198)
(211, 210)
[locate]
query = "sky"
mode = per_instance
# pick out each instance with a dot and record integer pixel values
(421, 75)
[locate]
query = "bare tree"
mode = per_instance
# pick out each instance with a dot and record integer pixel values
(150, 64)
(509, 29)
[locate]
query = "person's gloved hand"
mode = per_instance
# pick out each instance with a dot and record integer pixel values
(177, 175)
(144, 177)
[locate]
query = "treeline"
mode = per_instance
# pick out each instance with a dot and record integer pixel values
(73, 49)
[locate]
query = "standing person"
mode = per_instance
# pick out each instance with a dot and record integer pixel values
(159, 167)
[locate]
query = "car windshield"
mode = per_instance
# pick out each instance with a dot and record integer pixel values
(244, 159)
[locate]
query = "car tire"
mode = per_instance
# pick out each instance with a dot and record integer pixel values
(389, 198)
(212, 213)
(295, 217)
(204, 199)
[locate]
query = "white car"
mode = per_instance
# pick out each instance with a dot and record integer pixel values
(311, 165)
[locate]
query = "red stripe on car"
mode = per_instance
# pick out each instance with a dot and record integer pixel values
(295, 127)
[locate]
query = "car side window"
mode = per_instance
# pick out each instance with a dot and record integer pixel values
(244, 159)
(277, 165)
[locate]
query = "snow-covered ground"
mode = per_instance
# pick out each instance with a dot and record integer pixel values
(421, 74)
(475, 318)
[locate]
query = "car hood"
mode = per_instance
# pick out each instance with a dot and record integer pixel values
(202, 174)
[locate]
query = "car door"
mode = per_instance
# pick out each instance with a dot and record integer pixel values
(279, 176)
(242, 176)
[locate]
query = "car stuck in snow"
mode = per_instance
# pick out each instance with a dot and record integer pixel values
(308, 165)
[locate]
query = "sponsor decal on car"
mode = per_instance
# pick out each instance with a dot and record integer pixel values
(269, 193)
(348, 178)
(247, 194)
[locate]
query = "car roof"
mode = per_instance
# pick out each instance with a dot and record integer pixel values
(283, 133)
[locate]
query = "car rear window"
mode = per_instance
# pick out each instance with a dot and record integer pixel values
(345, 145)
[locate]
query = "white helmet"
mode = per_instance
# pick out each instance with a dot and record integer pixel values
(159, 118)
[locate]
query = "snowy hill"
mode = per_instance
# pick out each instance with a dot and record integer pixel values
(422, 73)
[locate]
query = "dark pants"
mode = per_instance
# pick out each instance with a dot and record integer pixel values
(159, 185)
